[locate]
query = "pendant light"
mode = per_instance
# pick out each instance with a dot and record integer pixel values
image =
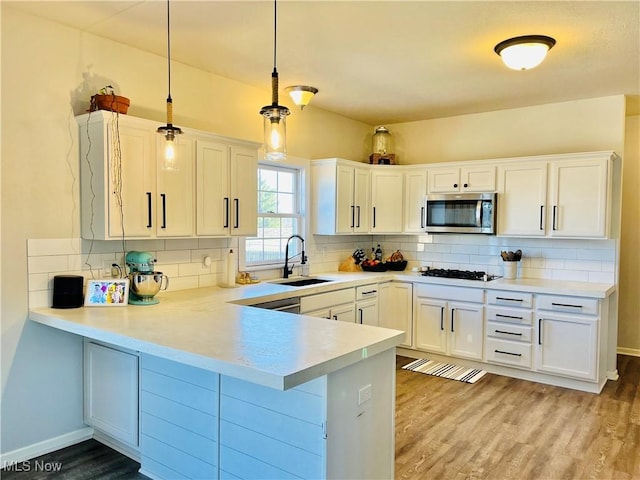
(275, 131)
(526, 52)
(170, 131)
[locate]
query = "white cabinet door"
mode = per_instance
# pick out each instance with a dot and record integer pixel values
(478, 179)
(131, 189)
(111, 392)
(361, 200)
(430, 324)
(567, 345)
(175, 193)
(367, 313)
(522, 193)
(387, 198)
(415, 189)
(395, 308)
(466, 330)
(444, 179)
(345, 206)
(344, 313)
(578, 198)
(244, 191)
(213, 200)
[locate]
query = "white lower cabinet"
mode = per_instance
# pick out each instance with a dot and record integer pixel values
(367, 305)
(337, 305)
(567, 340)
(395, 308)
(111, 391)
(447, 326)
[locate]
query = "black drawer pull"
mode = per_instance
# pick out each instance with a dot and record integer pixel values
(370, 292)
(508, 353)
(508, 333)
(565, 305)
(510, 299)
(508, 316)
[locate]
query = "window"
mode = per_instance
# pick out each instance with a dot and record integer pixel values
(278, 216)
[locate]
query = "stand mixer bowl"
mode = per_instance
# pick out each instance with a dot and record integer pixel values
(145, 285)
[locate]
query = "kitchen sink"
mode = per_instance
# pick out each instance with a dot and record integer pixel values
(301, 282)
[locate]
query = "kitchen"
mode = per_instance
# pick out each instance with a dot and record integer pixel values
(78, 63)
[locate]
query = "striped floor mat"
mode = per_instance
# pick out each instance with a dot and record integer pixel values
(446, 370)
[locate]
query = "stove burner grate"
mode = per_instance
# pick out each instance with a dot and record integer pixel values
(458, 274)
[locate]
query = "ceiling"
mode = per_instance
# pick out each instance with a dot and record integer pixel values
(384, 62)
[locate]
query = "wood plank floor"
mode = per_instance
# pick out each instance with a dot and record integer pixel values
(498, 428)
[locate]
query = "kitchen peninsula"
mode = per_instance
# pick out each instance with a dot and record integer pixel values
(237, 391)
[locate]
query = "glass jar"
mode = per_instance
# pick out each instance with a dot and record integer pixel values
(382, 141)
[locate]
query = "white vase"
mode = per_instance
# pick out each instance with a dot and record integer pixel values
(510, 270)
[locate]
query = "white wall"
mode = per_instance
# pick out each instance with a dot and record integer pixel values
(49, 72)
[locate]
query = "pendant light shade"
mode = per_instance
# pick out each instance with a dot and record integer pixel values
(301, 94)
(275, 116)
(526, 52)
(170, 131)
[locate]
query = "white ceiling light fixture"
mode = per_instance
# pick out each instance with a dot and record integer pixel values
(301, 94)
(170, 131)
(275, 129)
(526, 52)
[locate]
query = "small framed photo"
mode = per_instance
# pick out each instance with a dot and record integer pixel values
(111, 292)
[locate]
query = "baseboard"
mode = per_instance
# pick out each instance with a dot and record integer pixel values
(629, 351)
(51, 445)
(118, 446)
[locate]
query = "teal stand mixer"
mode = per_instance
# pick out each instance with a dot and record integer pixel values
(144, 282)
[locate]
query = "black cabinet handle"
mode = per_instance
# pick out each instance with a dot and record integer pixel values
(236, 203)
(353, 217)
(466, 185)
(565, 305)
(226, 212)
(508, 353)
(508, 316)
(149, 216)
(441, 318)
(358, 210)
(335, 317)
(374, 217)
(452, 310)
(541, 216)
(508, 333)
(164, 210)
(455, 185)
(510, 299)
(553, 224)
(421, 217)
(360, 310)
(539, 331)
(369, 292)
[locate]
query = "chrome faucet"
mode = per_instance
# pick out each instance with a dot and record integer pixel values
(303, 257)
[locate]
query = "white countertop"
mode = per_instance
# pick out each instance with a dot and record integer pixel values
(200, 327)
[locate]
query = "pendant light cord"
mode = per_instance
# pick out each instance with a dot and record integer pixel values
(274, 75)
(169, 99)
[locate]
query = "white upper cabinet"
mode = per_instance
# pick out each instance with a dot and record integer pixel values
(462, 179)
(522, 198)
(578, 194)
(566, 196)
(415, 189)
(340, 197)
(386, 200)
(126, 192)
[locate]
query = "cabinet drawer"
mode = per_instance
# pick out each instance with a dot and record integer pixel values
(510, 353)
(450, 293)
(366, 292)
(509, 332)
(325, 300)
(510, 315)
(557, 303)
(513, 299)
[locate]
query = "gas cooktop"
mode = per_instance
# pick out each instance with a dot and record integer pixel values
(460, 274)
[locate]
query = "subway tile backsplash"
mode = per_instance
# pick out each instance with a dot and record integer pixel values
(182, 260)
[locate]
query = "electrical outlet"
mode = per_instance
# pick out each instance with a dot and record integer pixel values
(364, 394)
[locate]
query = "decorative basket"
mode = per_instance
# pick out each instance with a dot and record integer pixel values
(113, 103)
(381, 267)
(396, 266)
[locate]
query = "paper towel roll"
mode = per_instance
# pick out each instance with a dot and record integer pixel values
(231, 268)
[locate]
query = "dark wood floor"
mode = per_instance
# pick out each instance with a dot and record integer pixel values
(498, 428)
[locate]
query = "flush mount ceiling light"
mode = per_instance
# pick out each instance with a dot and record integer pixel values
(301, 94)
(275, 130)
(526, 52)
(169, 130)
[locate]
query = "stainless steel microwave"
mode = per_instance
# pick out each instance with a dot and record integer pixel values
(461, 213)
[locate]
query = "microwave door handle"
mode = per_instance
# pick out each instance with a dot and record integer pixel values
(479, 213)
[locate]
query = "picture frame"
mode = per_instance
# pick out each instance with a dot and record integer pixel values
(108, 292)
